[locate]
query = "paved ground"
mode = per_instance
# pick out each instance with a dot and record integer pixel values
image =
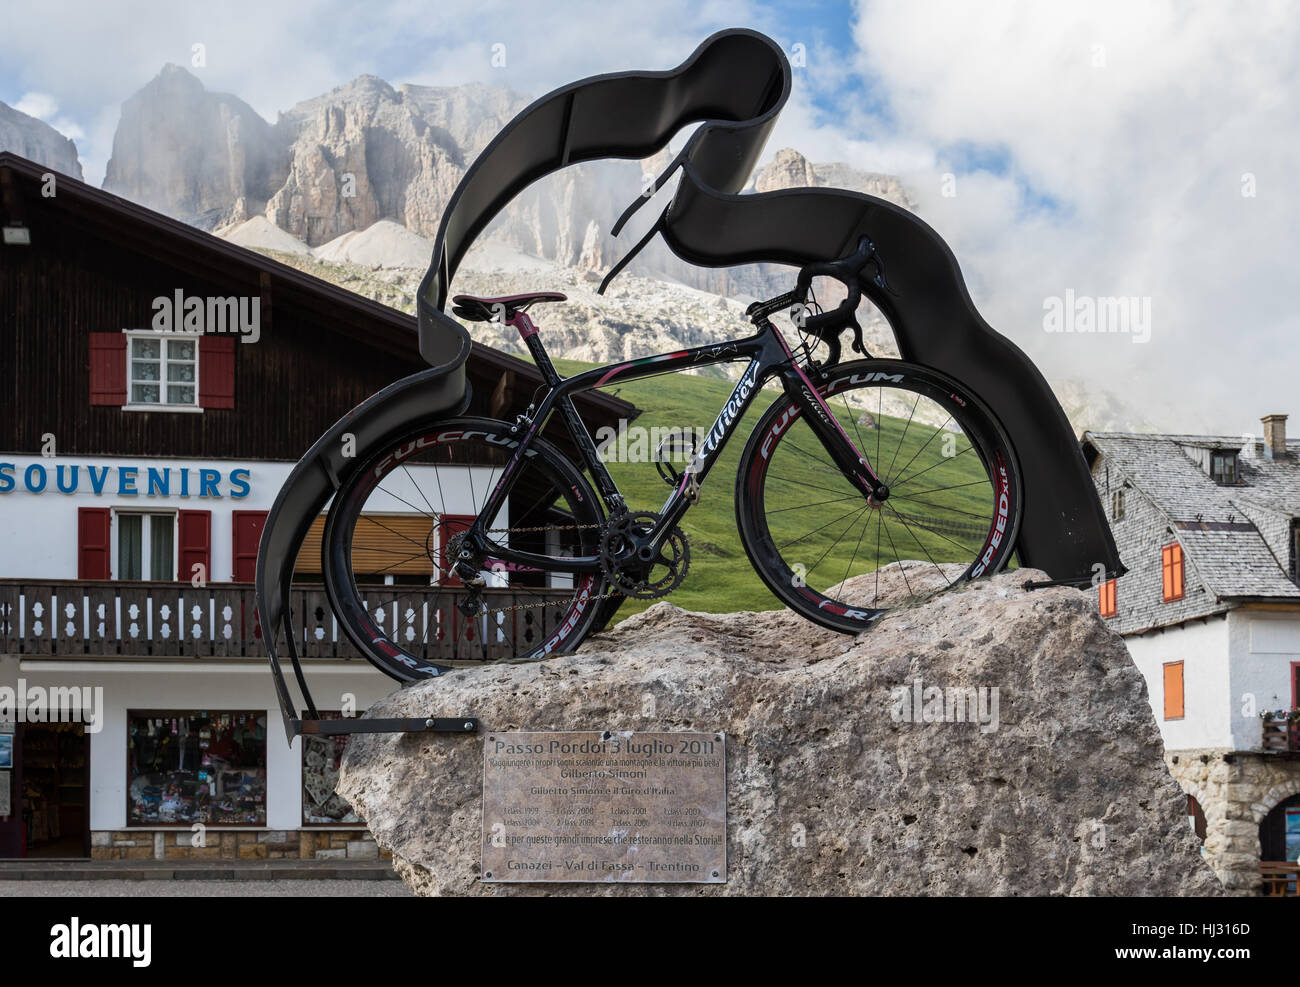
(29, 869)
(203, 889)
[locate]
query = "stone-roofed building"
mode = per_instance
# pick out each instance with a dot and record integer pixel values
(1209, 530)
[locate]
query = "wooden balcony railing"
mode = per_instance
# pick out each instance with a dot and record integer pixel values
(129, 620)
(1279, 735)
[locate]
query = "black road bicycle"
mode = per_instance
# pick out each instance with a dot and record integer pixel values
(865, 486)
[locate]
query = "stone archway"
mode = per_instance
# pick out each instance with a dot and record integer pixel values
(1274, 797)
(1211, 809)
(1236, 790)
(1197, 784)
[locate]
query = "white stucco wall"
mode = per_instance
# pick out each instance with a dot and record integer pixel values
(1234, 666)
(199, 687)
(1264, 645)
(1202, 647)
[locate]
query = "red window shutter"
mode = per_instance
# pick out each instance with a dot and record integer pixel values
(94, 538)
(108, 369)
(217, 371)
(247, 527)
(194, 543)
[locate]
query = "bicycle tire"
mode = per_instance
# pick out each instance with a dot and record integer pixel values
(780, 424)
(381, 646)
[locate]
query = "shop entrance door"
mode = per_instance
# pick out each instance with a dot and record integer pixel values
(55, 776)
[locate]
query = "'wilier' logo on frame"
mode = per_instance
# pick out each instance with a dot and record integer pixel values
(57, 704)
(918, 703)
(239, 315)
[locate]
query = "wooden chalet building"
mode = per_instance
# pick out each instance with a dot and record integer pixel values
(127, 456)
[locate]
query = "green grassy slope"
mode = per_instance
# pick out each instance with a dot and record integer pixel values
(720, 577)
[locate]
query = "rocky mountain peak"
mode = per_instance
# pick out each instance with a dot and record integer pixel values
(788, 169)
(37, 141)
(172, 74)
(203, 157)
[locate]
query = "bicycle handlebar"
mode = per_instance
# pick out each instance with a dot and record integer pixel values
(848, 271)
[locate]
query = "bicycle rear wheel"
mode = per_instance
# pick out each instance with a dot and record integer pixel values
(393, 533)
(951, 515)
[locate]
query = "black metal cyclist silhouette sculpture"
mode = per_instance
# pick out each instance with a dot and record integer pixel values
(865, 455)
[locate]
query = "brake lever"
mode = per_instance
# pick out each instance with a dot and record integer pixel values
(858, 345)
(833, 350)
(879, 280)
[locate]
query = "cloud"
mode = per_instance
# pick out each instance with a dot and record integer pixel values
(1098, 147)
(1116, 149)
(45, 107)
(273, 55)
(39, 105)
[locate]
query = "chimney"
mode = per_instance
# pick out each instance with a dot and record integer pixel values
(1274, 436)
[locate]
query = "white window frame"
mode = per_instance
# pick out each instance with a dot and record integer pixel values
(162, 371)
(145, 544)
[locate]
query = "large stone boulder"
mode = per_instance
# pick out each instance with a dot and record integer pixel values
(838, 780)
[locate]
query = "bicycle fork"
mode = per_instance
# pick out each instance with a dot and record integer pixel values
(813, 407)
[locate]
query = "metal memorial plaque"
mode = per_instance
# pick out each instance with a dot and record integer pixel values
(605, 807)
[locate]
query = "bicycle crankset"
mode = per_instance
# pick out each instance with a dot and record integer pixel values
(622, 561)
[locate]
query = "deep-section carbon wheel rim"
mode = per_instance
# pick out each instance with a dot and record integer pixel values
(408, 641)
(785, 471)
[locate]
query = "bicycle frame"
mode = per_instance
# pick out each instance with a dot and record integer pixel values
(769, 356)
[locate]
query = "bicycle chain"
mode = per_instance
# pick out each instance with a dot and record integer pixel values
(545, 527)
(608, 594)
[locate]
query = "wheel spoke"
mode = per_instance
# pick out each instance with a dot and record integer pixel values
(897, 558)
(837, 540)
(899, 447)
(804, 507)
(903, 468)
(801, 483)
(418, 490)
(930, 467)
(817, 529)
(923, 548)
(943, 507)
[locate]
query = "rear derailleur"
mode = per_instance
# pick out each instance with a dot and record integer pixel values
(467, 568)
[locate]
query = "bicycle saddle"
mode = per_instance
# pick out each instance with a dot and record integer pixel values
(485, 309)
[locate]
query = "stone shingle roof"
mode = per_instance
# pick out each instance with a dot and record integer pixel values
(1218, 526)
(1236, 564)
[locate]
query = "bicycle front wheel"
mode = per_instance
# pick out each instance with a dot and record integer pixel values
(393, 534)
(951, 515)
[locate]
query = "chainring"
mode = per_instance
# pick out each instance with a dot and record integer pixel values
(632, 577)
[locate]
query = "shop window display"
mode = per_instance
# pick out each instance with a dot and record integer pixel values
(321, 757)
(203, 767)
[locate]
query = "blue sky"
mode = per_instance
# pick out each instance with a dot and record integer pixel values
(1101, 147)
